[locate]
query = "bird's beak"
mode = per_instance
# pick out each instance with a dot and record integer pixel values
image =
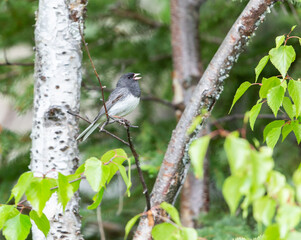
(137, 76)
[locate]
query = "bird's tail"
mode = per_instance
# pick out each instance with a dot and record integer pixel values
(88, 131)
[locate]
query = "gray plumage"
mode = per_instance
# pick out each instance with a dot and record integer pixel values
(123, 100)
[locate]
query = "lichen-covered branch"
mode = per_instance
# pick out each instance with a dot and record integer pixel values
(57, 89)
(176, 161)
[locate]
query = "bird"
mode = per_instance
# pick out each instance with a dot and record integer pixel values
(122, 101)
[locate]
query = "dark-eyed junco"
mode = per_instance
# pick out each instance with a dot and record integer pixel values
(123, 100)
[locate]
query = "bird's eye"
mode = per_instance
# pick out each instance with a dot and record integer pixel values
(129, 77)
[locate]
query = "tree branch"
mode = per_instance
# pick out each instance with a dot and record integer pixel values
(16, 64)
(136, 156)
(96, 74)
(241, 116)
(125, 13)
(103, 130)
(176, 160)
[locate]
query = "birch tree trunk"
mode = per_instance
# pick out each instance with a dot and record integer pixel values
(57, 89)
(176, 160)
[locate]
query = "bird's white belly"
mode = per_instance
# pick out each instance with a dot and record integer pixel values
(124, 107)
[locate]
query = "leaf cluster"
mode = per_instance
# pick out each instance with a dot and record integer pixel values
(38, 191)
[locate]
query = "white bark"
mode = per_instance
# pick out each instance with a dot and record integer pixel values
(57, 89)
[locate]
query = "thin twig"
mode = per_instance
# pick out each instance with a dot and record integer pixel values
(96, 74)
(125, 13)
(100, 224)
(16, 64)
(120, 202)
(103, 130)
(159, 100)
(72, 181)
(136, 156)
(240, 116)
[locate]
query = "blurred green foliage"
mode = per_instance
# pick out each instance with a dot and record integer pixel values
(134, 36)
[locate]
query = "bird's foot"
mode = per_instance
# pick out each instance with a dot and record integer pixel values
(124, 122)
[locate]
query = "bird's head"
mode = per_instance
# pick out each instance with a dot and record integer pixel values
(128, 79)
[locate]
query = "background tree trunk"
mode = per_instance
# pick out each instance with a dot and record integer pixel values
(176, 160)
(187, 70)
(57, 89)
(187, 67)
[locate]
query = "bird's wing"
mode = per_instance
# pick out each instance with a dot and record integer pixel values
(117, 95)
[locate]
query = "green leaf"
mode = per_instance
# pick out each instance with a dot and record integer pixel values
(271, 233)
(197, 152)
(294, 90)
(262, 164)
(231, 192)
(279, 40)
(288, 107)
(282, 58)
(130, 225)
(267, 84)
(293, 27)
(94, 173)
(21, 186)
(80, 170)
(117, 157)
(165, 231)
(288, 216)
(65, 190)
(254, 113)
(239, 92)
(264, 210)
(297, 130)
(297, 183)
(274, 98)
(272, 125)
(38, 193)
(7, 212)
(287, 128)
(172, 211)
(294, 235)
(41, 222)
(300, 41)
(17, 228)
(273, 136)
(276, 181)
(189, 234)
(286, 195)
(125, 178)
(73, 177)
(261, 66)
(238, 151)
(97, 199)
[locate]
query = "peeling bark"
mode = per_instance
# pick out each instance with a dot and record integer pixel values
(57, 89)
(176, 161)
